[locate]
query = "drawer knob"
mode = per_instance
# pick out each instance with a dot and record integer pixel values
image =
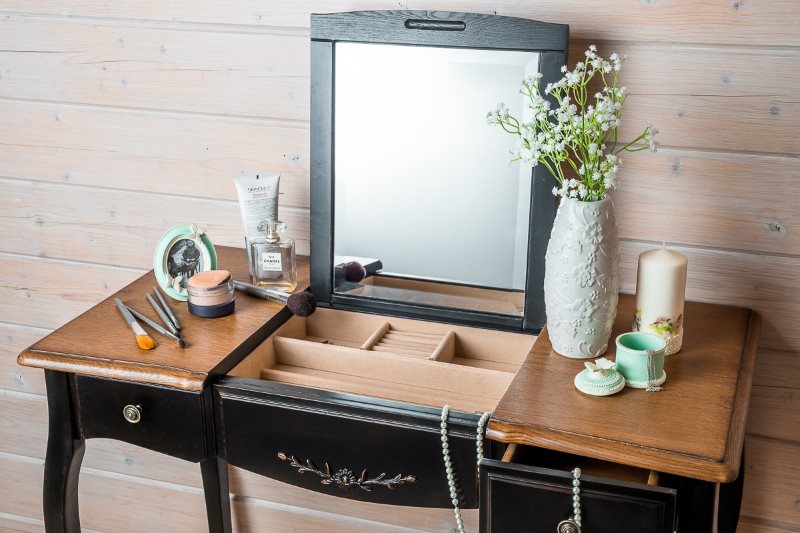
(344, 477)
(132, 413)
(568, 526)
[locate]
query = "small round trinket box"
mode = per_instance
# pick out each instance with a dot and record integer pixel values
(600, 378)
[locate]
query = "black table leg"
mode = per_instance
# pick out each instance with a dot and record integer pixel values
(62, 465)
(215, 487)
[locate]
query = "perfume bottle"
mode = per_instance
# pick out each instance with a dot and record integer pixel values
(273, 262)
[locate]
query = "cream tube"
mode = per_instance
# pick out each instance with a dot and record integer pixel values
(258, 201)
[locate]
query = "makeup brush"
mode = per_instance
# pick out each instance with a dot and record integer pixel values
(144, 340)
(354, 271)
(156, 326)
(161, 314)
(167, 308)
(300, 304)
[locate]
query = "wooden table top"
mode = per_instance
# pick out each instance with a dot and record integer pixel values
(100, 343)
(695, 427)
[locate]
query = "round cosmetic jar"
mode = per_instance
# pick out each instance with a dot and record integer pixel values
(634, 353)
(211, 294)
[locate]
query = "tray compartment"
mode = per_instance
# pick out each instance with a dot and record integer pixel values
(405, 360)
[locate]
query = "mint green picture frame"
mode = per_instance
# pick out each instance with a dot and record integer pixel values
(182, 252)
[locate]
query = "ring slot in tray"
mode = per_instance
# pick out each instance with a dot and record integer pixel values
(406, 360)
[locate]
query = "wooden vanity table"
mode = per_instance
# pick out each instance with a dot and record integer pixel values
(646, 456)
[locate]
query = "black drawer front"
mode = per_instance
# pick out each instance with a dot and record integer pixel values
(534, 500)
(261, 425)
(171, 420)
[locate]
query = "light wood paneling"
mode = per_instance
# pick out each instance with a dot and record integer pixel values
(46, 293)
(775, 412)
(771, 286)
(14, 339)
(710, 199)
(771, 490)
(775, 368)
(171, 154)
(11, 523)
(661, 69)
(247, 74)
(37, 220)
(745, 217)
(749, 123)
(252, 13)
(758, 22)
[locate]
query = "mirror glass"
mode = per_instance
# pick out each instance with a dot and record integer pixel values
(424, 193)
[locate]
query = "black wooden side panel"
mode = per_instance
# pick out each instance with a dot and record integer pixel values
(257, 421)
(534, 500)
(172, 420)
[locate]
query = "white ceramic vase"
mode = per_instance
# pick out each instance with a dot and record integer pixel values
(581, 280)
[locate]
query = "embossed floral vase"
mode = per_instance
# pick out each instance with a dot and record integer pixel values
(581, 280)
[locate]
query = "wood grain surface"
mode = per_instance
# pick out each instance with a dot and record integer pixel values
(694, 428)
(99, 342)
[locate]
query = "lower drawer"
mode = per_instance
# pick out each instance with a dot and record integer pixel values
(166, 420)
(536, 497)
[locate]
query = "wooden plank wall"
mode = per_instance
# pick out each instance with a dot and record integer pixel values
(121, 119)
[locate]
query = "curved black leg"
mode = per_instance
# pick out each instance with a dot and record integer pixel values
(215, 487)
(63, 462)
(730, 502)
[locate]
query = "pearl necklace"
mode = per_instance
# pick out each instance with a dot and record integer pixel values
(448, 465)
(573, 523)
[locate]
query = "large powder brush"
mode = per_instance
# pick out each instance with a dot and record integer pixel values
(300, 304)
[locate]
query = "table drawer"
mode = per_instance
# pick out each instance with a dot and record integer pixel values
(360, 397)
(534, 499)
(169, 421)
(343, 444)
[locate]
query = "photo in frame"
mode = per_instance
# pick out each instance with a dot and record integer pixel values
(182, 252)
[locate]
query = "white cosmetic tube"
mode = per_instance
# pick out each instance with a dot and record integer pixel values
(258, 201)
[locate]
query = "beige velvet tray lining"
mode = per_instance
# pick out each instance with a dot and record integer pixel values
(413, 361)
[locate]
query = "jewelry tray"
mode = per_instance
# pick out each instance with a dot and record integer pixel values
(418, 362)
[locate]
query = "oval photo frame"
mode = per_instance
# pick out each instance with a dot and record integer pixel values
(182, 252)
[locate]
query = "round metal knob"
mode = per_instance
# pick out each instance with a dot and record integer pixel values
(568, 526)
(132, 413)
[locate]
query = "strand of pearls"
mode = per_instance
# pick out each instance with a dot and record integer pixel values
(448, 464)
(576, 496)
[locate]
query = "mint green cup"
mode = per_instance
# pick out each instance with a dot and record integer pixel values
(640, 359)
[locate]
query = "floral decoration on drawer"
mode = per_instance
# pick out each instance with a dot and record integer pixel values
(344, 478)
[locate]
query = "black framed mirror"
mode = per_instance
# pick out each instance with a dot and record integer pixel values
(408, 179)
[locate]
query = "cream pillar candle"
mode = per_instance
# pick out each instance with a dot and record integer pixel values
(660, 291)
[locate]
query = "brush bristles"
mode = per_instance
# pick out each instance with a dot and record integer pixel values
(145, 342)
(181, 343)
(302, 303)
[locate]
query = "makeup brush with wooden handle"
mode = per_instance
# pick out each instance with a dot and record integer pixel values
(144, 340)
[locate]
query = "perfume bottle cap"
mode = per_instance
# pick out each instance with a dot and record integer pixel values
(270, 230)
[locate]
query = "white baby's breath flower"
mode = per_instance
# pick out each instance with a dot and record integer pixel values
(571, 131)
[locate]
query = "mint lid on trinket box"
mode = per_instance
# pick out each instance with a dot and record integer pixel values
(600, 378)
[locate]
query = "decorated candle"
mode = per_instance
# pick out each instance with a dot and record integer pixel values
(660, 291)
